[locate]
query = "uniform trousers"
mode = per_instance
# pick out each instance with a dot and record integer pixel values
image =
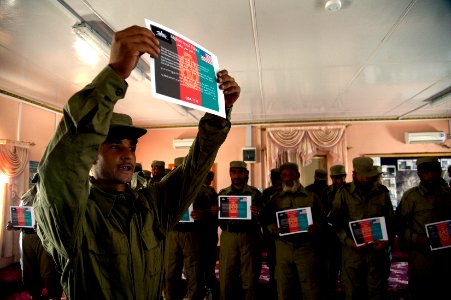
(183, 253)
(239, 264)
(297, 271)
(38, 268)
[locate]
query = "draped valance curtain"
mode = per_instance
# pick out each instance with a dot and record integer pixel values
(301, 144)
(14, 175)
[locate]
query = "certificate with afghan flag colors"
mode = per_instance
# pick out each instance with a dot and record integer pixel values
(293, 221)
(185, 73)
(186, 217)
(439, 234)
(235, 207)
(366, 231)
(22, 216)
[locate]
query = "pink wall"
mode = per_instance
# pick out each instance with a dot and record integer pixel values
(365, 138)
(157, 145)
(388, 138)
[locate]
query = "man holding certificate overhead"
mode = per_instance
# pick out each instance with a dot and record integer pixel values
(424, 216)
(106, 238)
(364, 221)
(239, 256)
(292, 216)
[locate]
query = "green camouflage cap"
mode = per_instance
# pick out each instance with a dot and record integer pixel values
(157, 164)
(238, 164)
(363, 166)
(178, 161)
(121, 127)
(320, 174)
(337, 170)
(289, 165)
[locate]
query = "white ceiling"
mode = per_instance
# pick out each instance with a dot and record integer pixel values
(294, 60)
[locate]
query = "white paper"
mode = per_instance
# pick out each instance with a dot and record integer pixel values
(185, 72)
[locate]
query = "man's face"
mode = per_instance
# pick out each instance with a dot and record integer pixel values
(289, 176)
(157, 171)
(238, 177)
(338, 180)
(362, 181)
(115, 162)
(428, 177)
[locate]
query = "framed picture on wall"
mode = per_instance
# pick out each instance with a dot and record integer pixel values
(407, 164)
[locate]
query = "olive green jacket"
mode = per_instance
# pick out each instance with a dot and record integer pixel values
(284, 200)
(256, 197)
(109, 245)
(350, 205)
(420, 206)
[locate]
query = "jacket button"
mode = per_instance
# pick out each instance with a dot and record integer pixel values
(119, 92)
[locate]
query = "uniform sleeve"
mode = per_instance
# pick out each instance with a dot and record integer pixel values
(404, 219)
(67, 160)
(338, 215)
(180, 187)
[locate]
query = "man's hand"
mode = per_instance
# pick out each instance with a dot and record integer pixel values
(127, 47)
(9, 226)
(214, 210)
(380, 245)
(255, 210)
(229, 87)
(197, 214)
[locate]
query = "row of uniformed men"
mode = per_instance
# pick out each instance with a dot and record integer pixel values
(307, 264)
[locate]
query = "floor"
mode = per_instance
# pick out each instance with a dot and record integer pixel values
(11, 287)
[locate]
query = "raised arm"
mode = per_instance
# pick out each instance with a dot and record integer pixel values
(67, 160)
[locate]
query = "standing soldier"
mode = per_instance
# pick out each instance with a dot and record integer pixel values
(38, 269)
(296, 254)
(183, 250)
(319, 184)
(209, 253)
(268, 239)
(240, 255)
(429, 202)
(157, 170)
(331, 247)
(364, 272)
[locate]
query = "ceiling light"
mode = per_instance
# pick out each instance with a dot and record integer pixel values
(440, 97)
(102, 46)
(333, 5)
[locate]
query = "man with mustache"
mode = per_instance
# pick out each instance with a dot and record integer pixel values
(240, 252)
(364, 272)
(297, 264)
(107, 239)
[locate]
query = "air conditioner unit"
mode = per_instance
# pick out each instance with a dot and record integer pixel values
(425, 137)
(182, 143)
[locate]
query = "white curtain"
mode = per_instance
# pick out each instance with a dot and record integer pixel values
(301, 144)
(14, 180)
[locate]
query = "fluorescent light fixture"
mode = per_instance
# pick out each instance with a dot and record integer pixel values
(440, 97)
(102, 46)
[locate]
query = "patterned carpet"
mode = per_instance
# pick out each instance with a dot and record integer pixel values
(398, 281)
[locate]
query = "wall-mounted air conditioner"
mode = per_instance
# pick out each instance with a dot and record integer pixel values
(182, 143)
(424, 137)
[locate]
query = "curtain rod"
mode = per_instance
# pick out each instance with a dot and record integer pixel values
(16, 143)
